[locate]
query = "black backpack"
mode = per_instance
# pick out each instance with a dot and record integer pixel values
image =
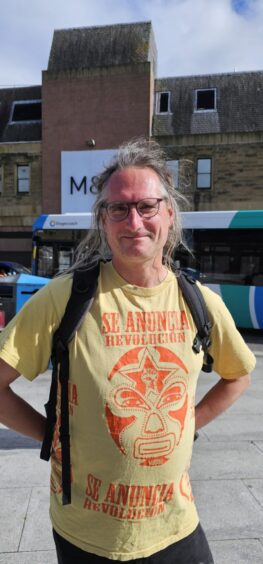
(83, 290)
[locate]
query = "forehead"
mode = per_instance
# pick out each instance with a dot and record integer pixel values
(134, 182)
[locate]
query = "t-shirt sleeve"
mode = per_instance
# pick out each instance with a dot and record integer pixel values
(232, 357)
(25, 344)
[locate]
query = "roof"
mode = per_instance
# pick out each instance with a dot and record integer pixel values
(239, 104)
(22, 130)
(102, 46)
(239, 100)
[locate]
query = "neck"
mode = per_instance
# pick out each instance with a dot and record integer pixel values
(145, 275)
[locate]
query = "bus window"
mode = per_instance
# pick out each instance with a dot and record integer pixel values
(230, 256)
(45, 261)
(65, 259)
(250, 268)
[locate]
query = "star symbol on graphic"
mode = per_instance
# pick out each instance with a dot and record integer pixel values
(148, 374)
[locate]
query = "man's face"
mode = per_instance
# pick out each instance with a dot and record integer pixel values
(135, 237)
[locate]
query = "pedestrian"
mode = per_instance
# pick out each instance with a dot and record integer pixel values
(133, 377)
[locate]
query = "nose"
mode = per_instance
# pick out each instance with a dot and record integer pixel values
(134, 219)
(154, 424)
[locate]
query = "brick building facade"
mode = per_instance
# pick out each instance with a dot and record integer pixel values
(20, 170)
(215, 123)
(99, 89)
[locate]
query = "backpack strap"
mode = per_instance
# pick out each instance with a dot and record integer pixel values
(195, 300)
(82, 294)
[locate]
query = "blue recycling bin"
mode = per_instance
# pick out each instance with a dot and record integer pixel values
(14, 293)
(26, 286)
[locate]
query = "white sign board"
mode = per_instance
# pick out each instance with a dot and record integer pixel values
(77, 170)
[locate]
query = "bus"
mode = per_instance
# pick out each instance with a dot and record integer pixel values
(226, 254)
(55, 238)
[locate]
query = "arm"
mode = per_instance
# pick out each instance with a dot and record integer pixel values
(219, 398)
(14, 411)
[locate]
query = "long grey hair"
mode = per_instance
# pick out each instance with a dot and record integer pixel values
(141, 153)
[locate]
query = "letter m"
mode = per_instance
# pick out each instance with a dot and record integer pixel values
(73, 184)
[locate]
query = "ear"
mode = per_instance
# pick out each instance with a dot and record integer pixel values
(171, 215)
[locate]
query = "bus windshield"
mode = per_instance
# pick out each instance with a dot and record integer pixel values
(55, 239)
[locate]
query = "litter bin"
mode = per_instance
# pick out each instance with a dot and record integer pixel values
(7, 299)
(15, 291)
(26, 286)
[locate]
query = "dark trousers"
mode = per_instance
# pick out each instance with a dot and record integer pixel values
(193, 549)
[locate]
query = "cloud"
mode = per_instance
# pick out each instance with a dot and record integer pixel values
(192, 36)
(207, 36)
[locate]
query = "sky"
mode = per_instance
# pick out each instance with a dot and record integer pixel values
(192, 36)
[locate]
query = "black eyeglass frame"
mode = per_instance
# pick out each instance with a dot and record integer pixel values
(129, 205)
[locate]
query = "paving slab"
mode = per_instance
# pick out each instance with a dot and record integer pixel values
(235, 426)
(249, 402)
(36, 392)
(227, 460)
(10, 440)
(13, 508)
(37, 532)
(23, 468)
(228, 510)
(256, 489)
(237, 551)
(40, 557)
(259, 445)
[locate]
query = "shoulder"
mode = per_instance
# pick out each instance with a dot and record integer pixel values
(231, 354)
(214, 303)
(56, 293)
(60, 285)
(51, 299)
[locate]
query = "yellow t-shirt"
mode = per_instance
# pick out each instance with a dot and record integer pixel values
(133, 377)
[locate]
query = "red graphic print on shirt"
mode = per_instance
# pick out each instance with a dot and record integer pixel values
(147, 405)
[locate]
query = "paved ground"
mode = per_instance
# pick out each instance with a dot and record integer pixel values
(227, 479)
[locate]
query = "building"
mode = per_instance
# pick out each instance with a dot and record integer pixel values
(215, 124)
(20, 170)
(100, 89)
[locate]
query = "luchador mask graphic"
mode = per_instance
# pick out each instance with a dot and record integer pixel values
(147, 404)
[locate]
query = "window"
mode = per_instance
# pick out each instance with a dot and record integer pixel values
(204, 174)
(22, 179)
(173, 168)
(163, 102)
(224, 256)
(1, 179)
(205, 100)
(27, 110)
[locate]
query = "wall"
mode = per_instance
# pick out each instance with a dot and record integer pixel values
(109, 105)
(18, 211)
(237, 169)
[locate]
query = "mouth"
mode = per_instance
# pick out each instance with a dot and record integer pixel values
(137, 236)
(144, 448)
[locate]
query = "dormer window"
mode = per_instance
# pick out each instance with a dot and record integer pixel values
(26, 111)
(163, 102)
(205, 100)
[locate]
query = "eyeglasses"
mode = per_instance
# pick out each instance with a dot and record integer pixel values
(146, 208)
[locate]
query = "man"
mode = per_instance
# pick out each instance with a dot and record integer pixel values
(133, 377)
